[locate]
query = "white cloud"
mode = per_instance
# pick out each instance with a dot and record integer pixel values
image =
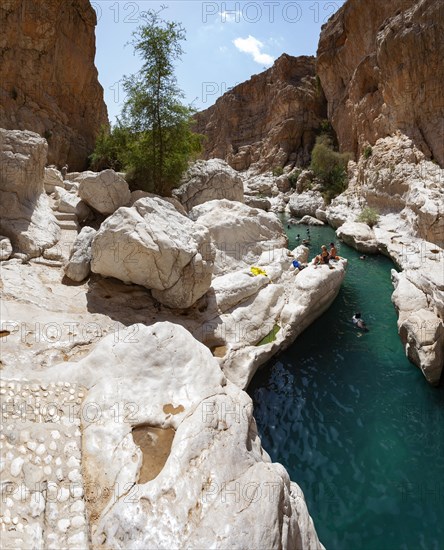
(230, 16)
(253, 46)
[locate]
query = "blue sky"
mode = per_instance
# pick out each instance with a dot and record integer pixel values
(227, 42)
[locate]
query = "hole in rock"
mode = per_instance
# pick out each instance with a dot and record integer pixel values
(4, 333)
(169, 408)
(434, 251)
(155, 444)
(219, 351)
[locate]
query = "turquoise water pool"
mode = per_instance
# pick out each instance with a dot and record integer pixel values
(354, 422)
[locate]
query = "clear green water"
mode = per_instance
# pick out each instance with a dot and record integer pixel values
(354, 423)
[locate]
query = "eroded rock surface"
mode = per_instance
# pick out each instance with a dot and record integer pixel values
(268, 120)
(380, 66)
(189, 394)
(395, 179)
(239, 233)
(79, 264)
(420, 329)
(104, 191)
(26, 217)
(41, 465)
(209, 180)
(305, 204)
(152, 245)
(48, 80)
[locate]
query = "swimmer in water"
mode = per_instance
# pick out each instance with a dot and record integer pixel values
(358, 322)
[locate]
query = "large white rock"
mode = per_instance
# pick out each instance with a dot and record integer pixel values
(300, 253)
(422, 333)
(79, 264)
(152, 245)
(52, 179)
(71, 203)
(208, 180)
(289, 306)
(420, 328)
(257, 202)
(104, 191)
(26, 217)
(240, 233)
(214, 480)
(260, 184)
(305, 204)
(309, 220)
(139, 194)
(5, 248)
(359, 236)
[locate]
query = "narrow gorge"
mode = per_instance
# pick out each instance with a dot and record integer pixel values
(176, 371)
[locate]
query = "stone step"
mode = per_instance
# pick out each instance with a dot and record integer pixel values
(68, 225)
(65, 216)
(43, 261)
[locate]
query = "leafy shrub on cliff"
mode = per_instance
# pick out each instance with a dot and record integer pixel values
(369, 216)
(330, 167)
(152, 142)
(293, 178)
(277, 171)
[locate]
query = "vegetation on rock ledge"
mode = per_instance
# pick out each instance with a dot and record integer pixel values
(369, 216)
(329, 166)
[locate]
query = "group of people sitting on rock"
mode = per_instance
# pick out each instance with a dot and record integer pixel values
(326, 255)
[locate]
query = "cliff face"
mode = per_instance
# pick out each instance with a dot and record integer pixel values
(380, 65)
(268, 120)
(48, 80)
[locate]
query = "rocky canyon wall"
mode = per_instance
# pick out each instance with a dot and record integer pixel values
(267, 121)
(380, 65)
(48, 80)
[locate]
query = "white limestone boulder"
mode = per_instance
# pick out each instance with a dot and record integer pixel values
(420, 328)
(283, 183)
(26, 217)
(208, 180)
(309, 220)
(71, 186)
(79, 264)
(139, 194)
(104, 191)
(52, 179)
(304, 181)
(321, 214)
(240, 233)
(273, 318)
(5, 248)
(260, 184)
(205, 444)
(422, 333)
(359, 236)
(152, 245)
(305, 204)
(300, 253)
(258, 202)
(70, 202)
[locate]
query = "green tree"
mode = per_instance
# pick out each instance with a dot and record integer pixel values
(152, 141)
(369, 215)
(329, 166)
